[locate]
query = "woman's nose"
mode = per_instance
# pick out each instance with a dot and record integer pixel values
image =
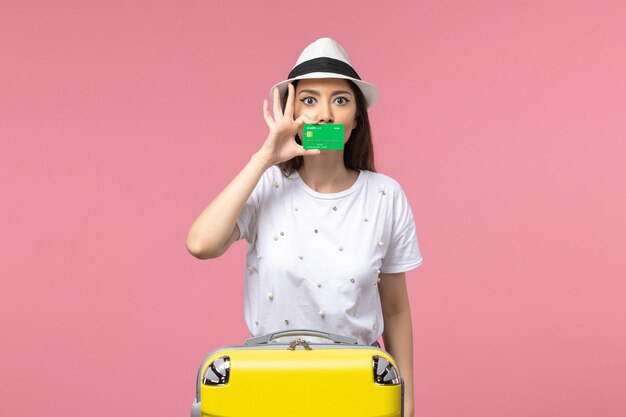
(324, 113)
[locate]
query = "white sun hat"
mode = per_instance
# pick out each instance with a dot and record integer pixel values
(325, 58)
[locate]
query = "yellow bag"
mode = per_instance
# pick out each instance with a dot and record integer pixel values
(299, 378)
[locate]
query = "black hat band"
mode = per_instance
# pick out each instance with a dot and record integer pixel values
(323, 64)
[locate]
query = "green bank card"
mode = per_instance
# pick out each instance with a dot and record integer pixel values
(323, 136)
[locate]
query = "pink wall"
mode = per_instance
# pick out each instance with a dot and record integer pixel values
(504, 121)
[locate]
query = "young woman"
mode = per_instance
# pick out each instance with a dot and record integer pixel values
(328, 238)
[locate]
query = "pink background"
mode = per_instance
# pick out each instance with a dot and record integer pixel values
(503, 120)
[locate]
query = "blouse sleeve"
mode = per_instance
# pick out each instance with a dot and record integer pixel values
(247, 219)
(403, 252)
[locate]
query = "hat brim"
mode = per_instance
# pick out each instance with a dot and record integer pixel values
(370, 92)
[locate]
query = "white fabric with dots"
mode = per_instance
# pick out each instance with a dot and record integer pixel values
(313, 258)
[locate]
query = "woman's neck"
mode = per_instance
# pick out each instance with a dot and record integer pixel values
(327, 173)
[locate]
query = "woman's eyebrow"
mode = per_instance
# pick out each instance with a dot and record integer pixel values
(314, 92)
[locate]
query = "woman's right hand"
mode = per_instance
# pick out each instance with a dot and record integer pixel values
(280, 144)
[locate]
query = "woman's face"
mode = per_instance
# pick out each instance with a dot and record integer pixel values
(329, 100)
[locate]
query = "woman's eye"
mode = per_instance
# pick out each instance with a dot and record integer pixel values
(342, 102)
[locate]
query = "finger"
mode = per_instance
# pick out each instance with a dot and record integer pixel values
(309, 152)
(304, 119)
(266, 115)
(290, 102)
(277, 111)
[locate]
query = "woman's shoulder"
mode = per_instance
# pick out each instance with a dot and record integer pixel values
(273, 178)
(271, 174)
(275, 172)
(276, 175)
(382, 180)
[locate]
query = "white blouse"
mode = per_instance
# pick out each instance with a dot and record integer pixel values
(313, 258)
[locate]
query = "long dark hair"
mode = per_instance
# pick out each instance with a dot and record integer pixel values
(358, 152)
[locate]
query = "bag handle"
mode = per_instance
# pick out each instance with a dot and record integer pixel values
(266, 338)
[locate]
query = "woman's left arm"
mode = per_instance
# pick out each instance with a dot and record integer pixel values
(398, 332)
